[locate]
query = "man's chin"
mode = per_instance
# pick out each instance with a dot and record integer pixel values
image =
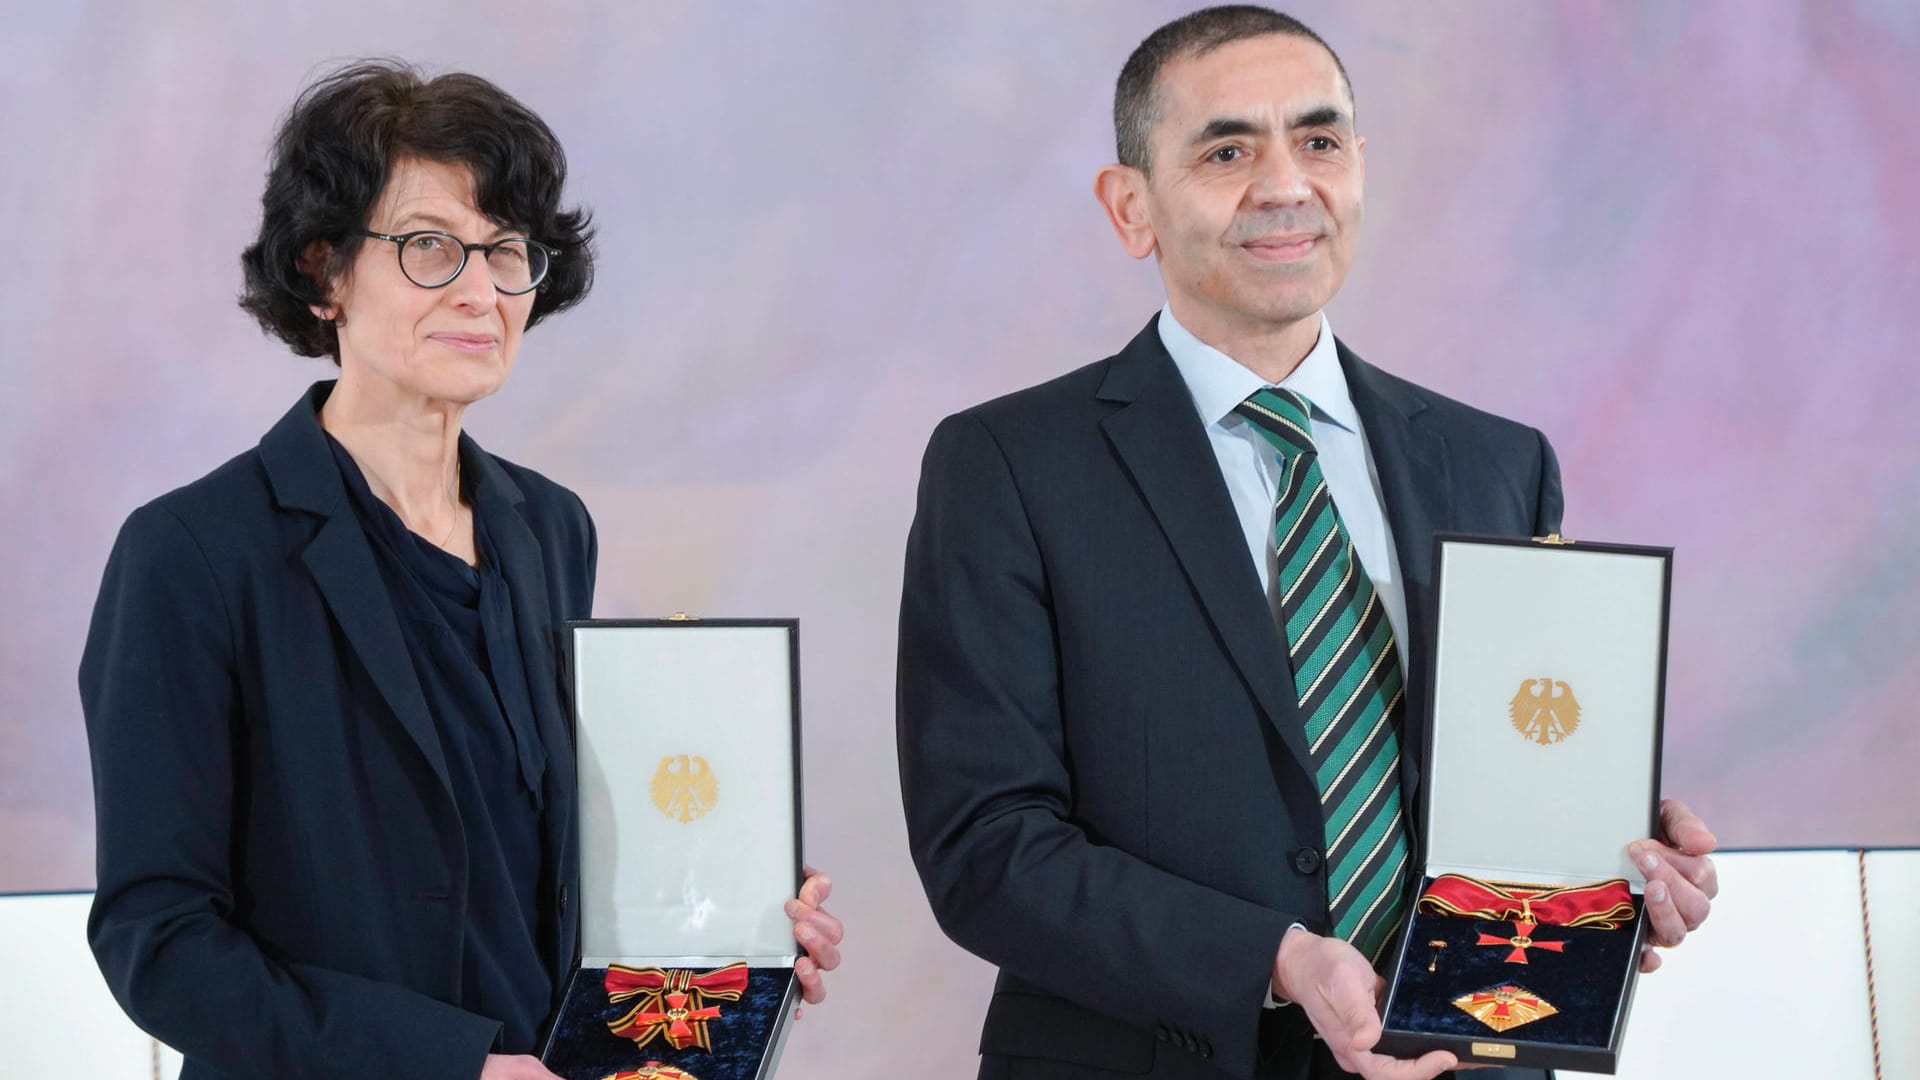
(1289, 301)
(1286, 312)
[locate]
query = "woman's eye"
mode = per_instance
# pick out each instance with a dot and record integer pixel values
(428, 243)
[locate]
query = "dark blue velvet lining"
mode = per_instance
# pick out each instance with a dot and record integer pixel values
(1584, 981)
(582, 1048)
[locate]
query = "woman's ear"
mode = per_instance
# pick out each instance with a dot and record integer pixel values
(313, 262)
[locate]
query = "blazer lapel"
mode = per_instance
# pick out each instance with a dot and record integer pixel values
(1410, 456)
(301, 470)
(537, 627)
(1164, 447)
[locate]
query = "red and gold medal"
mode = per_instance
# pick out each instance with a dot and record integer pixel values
(652, 1070)
(1521, 941)
(1505, 1006)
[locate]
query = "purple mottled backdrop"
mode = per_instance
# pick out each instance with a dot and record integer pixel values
(1680, 237)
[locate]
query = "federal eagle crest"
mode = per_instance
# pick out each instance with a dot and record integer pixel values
(684, 787)
(1544, 710)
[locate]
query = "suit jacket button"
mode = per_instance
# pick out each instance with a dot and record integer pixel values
(563, 898)
(1306, 861)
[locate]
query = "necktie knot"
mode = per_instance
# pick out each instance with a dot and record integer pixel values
(1281, 417)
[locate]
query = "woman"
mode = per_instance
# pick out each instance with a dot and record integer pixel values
(333, 778)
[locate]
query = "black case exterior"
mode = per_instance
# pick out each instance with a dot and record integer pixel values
(1512, 1047)
(758, 1065)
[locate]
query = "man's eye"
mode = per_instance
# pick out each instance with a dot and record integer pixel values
(1227, 153)
(1321, 142)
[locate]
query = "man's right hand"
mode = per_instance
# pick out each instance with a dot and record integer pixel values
(514, 1067)
(1337, 987)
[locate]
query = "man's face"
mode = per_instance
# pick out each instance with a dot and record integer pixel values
(1253, 201)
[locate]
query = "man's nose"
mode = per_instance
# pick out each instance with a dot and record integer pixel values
(1278, 180)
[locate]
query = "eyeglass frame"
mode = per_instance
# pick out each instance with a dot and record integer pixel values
(400, 256)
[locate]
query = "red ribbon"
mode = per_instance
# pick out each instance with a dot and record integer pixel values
(1604, 905)
(672, 1003)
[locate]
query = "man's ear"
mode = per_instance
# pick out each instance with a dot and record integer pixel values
(313, 263)
(1122, 191)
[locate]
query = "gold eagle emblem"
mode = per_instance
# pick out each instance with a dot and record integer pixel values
(684, 787)
(1544, 710)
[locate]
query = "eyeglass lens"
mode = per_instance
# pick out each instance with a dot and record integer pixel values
(433, 259)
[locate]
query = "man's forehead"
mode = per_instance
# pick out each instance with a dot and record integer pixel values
(1278, 76)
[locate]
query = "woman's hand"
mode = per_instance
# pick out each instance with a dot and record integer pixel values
(514, 1067)
(817, 932)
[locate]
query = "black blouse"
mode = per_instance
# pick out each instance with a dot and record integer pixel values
(457, 621)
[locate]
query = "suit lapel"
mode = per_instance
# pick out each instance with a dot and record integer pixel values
(1160, 440)
(1410, 457)
(303, 475)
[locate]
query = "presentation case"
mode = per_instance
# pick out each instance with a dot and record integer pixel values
(1545, 695)
(688, 734)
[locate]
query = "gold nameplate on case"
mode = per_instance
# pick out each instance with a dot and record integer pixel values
(1494, 1050)
(684, 788)
(1544, 710)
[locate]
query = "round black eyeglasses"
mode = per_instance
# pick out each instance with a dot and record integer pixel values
(431, 259)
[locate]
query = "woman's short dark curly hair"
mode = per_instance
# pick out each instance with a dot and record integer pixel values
(331, 160)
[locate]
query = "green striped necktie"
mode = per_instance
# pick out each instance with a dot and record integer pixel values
(1347, 675)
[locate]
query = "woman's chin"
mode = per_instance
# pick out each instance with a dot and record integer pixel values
(464, 381)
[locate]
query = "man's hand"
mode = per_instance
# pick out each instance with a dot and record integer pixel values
(818, 933)
(1337, 987)
(514, 1067)
(1681, 881)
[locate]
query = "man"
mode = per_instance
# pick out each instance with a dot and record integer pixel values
(1111, 635)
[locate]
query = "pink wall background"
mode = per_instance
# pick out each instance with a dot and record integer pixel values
(1679, 237)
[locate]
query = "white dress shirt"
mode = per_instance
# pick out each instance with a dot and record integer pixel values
(1252, 467)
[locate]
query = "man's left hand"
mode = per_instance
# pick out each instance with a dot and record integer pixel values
(818, 933)
(1681, 882)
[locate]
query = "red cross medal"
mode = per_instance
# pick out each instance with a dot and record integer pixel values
(672, 1003)
(1522, 940)
(1505, 1006)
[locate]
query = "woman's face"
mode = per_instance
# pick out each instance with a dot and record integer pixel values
(453, 344)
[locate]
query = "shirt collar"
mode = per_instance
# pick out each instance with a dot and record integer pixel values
(1219, 383)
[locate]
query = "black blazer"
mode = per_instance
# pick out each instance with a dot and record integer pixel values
(282, 872)
(1101, 757)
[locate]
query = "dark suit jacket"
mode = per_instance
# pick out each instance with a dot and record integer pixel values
(282, 872)
(1101, 756)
